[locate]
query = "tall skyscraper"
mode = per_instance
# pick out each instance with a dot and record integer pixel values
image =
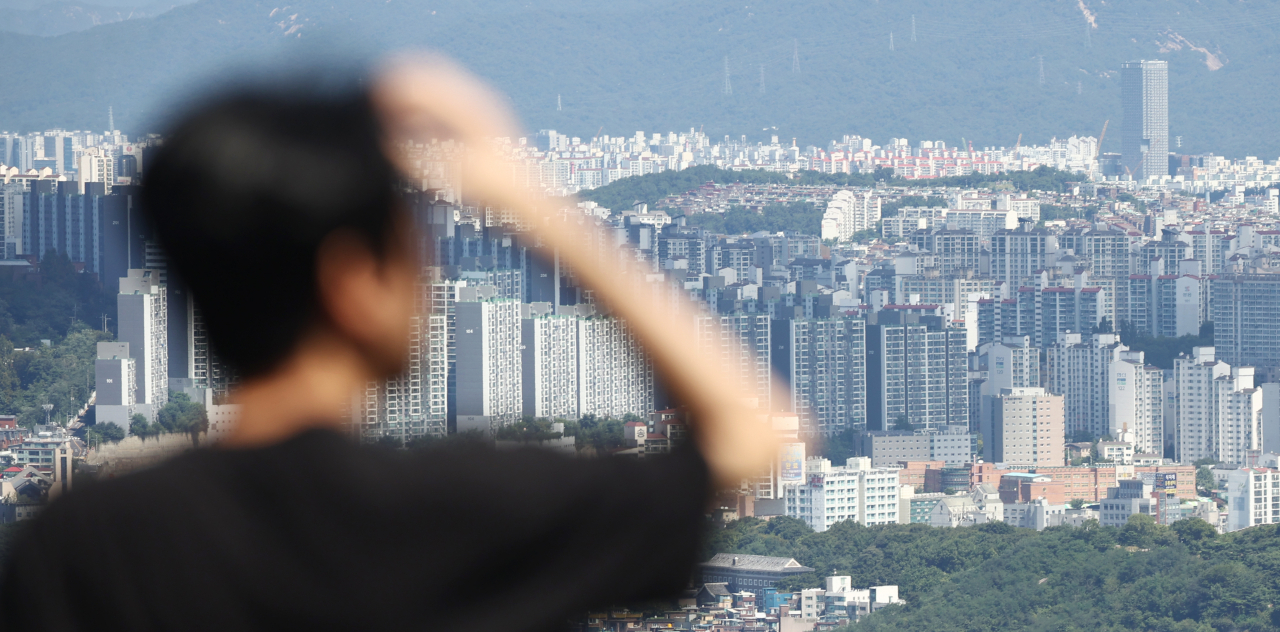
(1144, 93)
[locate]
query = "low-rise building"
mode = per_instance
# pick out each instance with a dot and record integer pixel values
(980, 506)
(855, 491)
(1253, 497)
(752, 573)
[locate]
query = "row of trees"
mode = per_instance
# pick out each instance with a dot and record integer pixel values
(1143, 576)
(652, 188)
(800, 217)
(60, 374)
(592, 434)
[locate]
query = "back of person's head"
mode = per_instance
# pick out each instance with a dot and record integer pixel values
(243, 191)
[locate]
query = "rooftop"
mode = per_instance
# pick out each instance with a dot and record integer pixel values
(757, 563)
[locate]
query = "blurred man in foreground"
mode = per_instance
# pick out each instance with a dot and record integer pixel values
(278, 208)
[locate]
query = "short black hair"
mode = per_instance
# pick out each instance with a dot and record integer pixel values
(242, 192)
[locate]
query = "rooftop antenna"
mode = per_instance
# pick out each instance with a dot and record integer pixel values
(890, 40)
(913, 28)
(795, 56)
(728, 87)
(559, 107)
(1041, 57)
(111, 120)
(761, 78)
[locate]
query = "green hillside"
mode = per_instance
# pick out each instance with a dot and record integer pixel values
(995, 577)
(972, 69)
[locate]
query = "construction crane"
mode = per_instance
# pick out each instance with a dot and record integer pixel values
(1100, 137)
(1017, 144)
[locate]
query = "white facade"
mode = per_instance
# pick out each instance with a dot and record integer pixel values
(549, 354)
(115, 373)
(142, 317)
(1239, 411)
(1079, 371)
(1196, 412)
(1028, 428)
(1026, 208)
(96, 165)
(1220, 412)
(1136, 401)
(849, 212)
(855, 491)
(13, 204)
(488, 358)
(1253, 497)
(615, 377)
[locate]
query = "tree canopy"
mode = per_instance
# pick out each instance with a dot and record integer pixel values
(1143, 576)
(651, 188)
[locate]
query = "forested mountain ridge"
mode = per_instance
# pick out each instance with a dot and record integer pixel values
(964, 69)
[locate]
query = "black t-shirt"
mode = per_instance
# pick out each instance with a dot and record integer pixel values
(316, 533)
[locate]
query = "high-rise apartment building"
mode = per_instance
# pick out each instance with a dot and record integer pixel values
(1028, 428)
(1106, 250)
(1218, 407)
(954, 250)
(1245, 326)
(487, 335)
(1144, 94)
(849, 212)
(1195, 408)
(549, 357)
(1012, 363)
(1136, 402)
(1166, 305)
(615, 376)
(917, 371)
(1079, 370)
(142, 320)
(741, 342)
(823, 361)
(1018, 254)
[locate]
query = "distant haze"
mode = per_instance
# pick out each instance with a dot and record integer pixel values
(976, 70)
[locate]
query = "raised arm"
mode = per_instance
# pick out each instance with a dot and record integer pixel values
(426, 97)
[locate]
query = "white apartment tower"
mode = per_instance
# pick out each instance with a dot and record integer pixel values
(615, 376)
(1028, 428)
(1079, 370)
(549, 356)
(142, 317)
(855, 491)
(1196, 413)
(1219, 409)
(488, 359)
(849, 212)
(1136, 402)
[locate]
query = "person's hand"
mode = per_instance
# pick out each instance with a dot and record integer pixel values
(428, 97)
